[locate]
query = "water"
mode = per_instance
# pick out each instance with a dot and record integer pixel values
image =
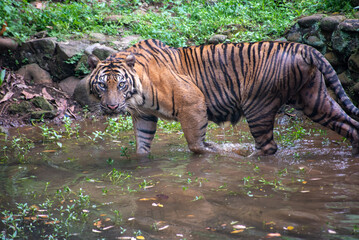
(308, 190)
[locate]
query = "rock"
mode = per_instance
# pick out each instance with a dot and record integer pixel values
(353, 62)
(349, 25)
(42, 103)
(97, 37)
(282, 39)
(330, 23)
(310, 20)
(295, 37)
(340, 41)
(34, 74)
(332, 58)
(69, 84)
(66, 50)
(218, 38)
(40, 51)
(43, 114)
(315, 41)
(101, 51)
(21, 108)
(345, 79)
(8, 43)
(82, 95)
(126, 42)
(356, 87)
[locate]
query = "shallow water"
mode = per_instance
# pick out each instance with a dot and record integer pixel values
(306, 191)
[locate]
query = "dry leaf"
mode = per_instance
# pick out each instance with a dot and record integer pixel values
(270, 235)
(7, 96)
(46, 95)
(290, 228)
(29, 95)
(237, 231)
(140, 237)
(163, 228)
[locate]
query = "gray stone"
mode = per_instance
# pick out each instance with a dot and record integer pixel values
(353, 62)
(8, 43)
(40, 51)
(42, 103)
(218, 38)
(101, 51)
(294, 37)
(349, 25)
(66, 50)
(315, 41)
(345, 79)
(22, 108)
(332, 58)
(82, 95)
(69, 84)
(43, 114)
(97, 37)
(34, 74)
(340, 41)
(330, 23)
(127, 42)
(310, 20)
(356, 88)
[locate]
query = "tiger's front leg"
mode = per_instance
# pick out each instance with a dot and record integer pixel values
(194, 123)
(145, 129)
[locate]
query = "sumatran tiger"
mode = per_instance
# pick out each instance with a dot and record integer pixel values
(220, 83)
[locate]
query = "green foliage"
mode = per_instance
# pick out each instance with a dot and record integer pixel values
(176, 22)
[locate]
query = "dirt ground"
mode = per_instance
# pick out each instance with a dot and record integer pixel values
(23, 103)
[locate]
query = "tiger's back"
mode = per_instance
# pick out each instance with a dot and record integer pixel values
(225, 81)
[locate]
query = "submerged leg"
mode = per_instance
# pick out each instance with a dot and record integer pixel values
(261, 122)
(145, 129)
(321, 108)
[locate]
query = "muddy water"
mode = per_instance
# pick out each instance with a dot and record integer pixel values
(308, 190)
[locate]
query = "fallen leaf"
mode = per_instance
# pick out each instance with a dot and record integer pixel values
(46, 95)
(148, 199)
(49, 151)
(107, 228)
(270, 235)
(304, 182)
(237, 231)
(140, 237)
(29, 95)
(331, 231)
(290, 228)
(107, 219)
(163, 228)
(96, 231)
(7, 96)
(239, 227)
(103, 214)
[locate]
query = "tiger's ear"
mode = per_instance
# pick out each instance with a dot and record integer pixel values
(130, 60)
(92, 61)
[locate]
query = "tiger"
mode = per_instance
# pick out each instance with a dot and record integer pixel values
(220, 83)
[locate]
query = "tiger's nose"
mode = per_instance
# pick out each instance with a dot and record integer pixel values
(112, 106)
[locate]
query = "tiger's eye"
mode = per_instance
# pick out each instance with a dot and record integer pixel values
(121, 84)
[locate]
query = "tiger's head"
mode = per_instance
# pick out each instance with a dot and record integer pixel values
(115, 84)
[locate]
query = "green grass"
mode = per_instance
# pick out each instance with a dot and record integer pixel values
(176, 22)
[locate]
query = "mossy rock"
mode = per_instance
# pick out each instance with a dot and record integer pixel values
(22, 107)
(43, 114)
(42, 103)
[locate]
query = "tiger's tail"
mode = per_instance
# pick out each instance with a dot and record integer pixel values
(334, 83)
